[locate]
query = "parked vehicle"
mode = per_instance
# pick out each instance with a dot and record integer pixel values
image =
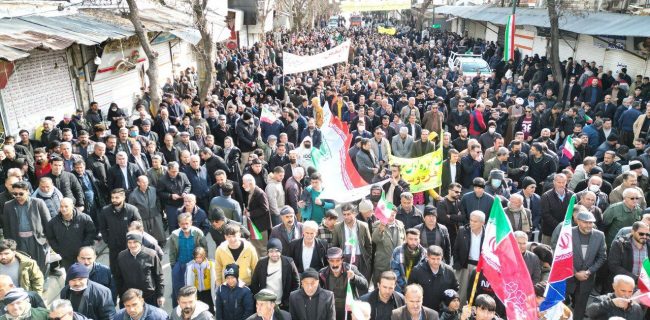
(470, 64)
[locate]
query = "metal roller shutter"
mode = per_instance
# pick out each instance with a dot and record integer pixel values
(615, 60)
(121, 89)
(40, 86)
(164, 61)
(586, 50)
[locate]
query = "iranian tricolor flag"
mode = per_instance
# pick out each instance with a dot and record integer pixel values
(504, 267)
(509, 45)
(384, 209)
(644, 284)
(588, 119)
(252, 228)
(267, 116)
(569, 149)
(349, 299)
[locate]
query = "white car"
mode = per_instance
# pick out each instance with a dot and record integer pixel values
(470, 64)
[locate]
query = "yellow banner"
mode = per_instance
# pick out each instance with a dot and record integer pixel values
(423, 173)
(386, 5)
(389, 31)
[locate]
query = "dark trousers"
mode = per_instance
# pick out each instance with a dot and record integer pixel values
(206, 297)
(579, 292)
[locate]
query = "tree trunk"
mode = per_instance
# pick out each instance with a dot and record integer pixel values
(421, 13)
(205, 48)
(152, 56)
(554, 52)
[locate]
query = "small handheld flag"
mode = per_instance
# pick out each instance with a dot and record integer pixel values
(252, 228)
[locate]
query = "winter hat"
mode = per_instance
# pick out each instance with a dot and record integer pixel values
(365, 205)
(78, 270)
(309, 273)
(15, 294)
(274, 244)
(635, 164)
(134, 236)
(449, 295)
(231, 270)
(496, 174)
(527, 181)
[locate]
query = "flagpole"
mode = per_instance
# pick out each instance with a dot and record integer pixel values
(471, 297)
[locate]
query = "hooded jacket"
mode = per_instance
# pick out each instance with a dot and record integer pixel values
(201, 312)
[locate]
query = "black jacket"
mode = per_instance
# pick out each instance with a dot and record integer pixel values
(620, 259)
(318, 258)
(373, 299)
(290, 278)
(443, 233)
(434, 285)
(144, 272)
(168, 186)
(66, 240)
(115, 178)
(245, 136)
(115, 224)
(258, 207)
(359, 283)
(213, 164)
(325, 309)
(462, 246)
(69, 186)
(100, 168)
(96, 301)
(553, 210)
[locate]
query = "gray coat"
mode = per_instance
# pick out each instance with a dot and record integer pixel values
(401, 148)
(38, 213)
(150, 210)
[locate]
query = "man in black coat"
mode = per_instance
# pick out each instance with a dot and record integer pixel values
(384, 299)
(434, 276)
(140, 268)
(265, 275)
(114, 220)
(318, 303)
(116, 175)
(88, 298)
(554, 204)
(220, 178)
(337, 275)
(98, 163)
(296, 249)
(172, 189)
(212, 163)
(256, 207)
(467, 249)
(246, 136)
(416, 308)
(68, 231)
(66, 182)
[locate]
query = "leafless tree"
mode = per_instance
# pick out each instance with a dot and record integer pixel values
(152, 56)
(205, 47)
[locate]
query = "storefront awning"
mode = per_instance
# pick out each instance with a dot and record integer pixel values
(590, 23)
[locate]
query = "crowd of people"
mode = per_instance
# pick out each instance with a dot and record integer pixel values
(163, 180)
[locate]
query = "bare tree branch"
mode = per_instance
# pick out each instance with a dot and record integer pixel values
(152, 56)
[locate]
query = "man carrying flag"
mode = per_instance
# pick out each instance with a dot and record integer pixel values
(505, 268)
(343, 279)
(562, 269)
